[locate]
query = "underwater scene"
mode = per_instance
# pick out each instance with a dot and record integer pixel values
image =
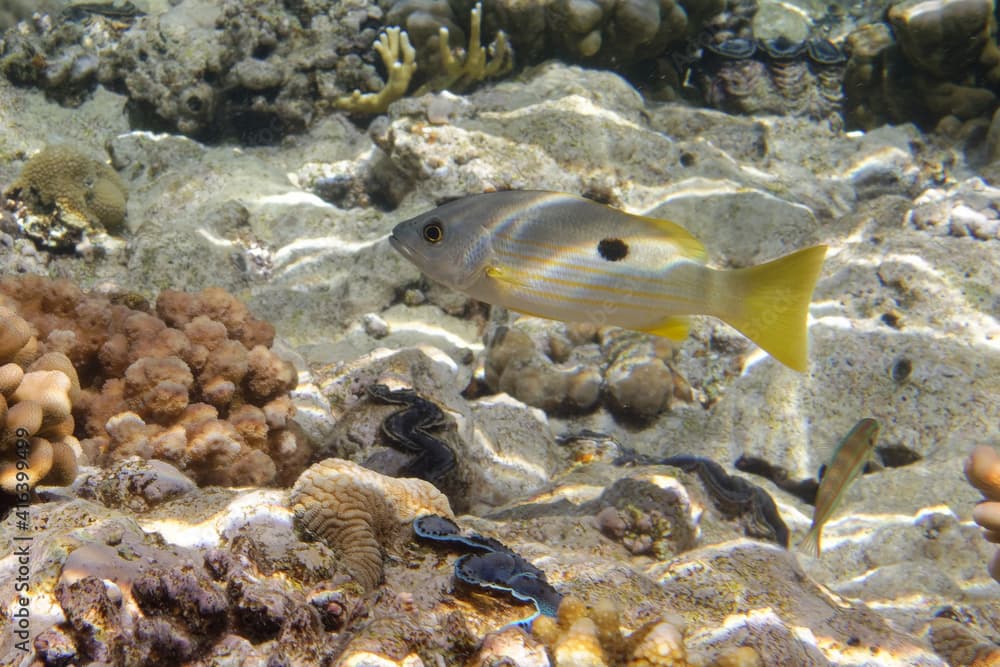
(524, 333)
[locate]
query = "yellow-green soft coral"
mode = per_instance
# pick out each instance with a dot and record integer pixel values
(460, 68)
(63, 194)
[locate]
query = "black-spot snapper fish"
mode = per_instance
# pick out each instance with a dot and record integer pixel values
(567, 258)
(848, 462)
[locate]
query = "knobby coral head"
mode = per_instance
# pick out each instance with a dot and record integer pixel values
(191, 381)
(37, 392)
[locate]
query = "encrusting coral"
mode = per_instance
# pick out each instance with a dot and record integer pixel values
(982, 469)
(62, 195)
(196, 386)
(360, 513)
(36, 399)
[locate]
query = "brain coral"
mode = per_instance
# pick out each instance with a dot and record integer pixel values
(64, 194)
(197, 386)
(360, 513)
(36, 425)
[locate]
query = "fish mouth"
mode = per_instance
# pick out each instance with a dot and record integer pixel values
(401, 247)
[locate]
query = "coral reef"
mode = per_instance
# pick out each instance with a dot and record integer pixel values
(501, 451)
(930, 60)
(255, 72)
(127, 597)
(60, 54)
(36, 400)
(646, 518)
(361, 513)
(63, 196)
(966, 210)
(591, 636)
(640, 381)
(982, 469)
(514, 364)
(462, 68)
(568, 371)
(199, 388)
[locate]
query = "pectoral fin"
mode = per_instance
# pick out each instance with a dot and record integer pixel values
(507, 277)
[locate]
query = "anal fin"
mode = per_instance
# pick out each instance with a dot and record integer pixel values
(674, 328)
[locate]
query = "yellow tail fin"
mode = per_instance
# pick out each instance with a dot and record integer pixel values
(775, 304)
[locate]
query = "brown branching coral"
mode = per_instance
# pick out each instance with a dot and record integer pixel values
(36, 398)
(195, 384)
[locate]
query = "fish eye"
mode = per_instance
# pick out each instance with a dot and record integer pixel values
(433, 232)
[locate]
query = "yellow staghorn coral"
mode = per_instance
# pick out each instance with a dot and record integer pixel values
(391, 44)
(460, 68)
(360, 513)
(36, 423)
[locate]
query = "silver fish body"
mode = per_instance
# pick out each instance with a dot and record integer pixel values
(564, 257)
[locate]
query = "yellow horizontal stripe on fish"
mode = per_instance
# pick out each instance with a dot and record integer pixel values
(575, 264)
(540, 281)
(565, 257)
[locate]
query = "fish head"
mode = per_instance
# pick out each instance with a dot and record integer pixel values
(867, 430)
(450, 244)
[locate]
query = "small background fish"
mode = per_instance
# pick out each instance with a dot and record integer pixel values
(847, 463)
(568, 258)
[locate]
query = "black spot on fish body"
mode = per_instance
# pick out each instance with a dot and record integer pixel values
(612, 250)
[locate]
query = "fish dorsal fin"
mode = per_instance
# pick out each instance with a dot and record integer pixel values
(689, 246)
